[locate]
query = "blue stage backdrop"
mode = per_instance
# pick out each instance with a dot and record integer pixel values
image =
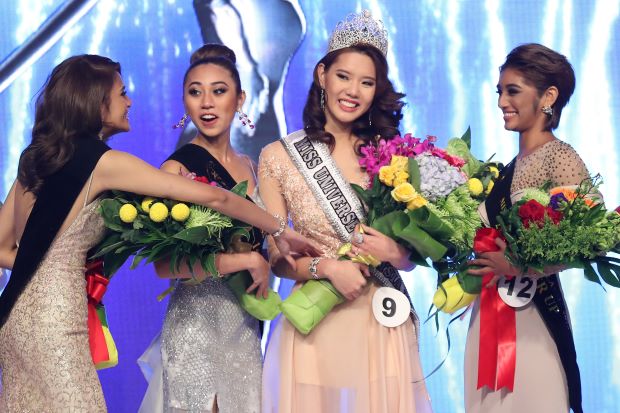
(443, 54)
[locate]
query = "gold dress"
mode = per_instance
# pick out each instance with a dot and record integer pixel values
(538, 364)
(349, 363)
(44, 351)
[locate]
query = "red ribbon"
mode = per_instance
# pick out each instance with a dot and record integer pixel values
(96, 285)
(497, 351)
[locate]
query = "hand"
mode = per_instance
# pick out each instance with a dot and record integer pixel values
(380, 246)
(290, 241)
(494, 262)
(259, 269)
(349, 278)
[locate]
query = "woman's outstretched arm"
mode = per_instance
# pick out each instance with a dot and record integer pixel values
(125, 172)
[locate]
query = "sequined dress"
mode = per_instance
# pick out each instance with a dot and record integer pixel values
(540, 382)
(349, 363)
(44, 352)
(210, 347)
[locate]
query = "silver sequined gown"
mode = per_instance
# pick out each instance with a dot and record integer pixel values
(210, 347)
(44, 352)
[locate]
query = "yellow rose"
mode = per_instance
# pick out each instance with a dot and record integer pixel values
(494, 171)
(400, 178)
(158, 212)
(489, 187)
(475, 186)
(456, 299)
(128, 213)
(417, 202)
(146, 204)
(404, 192)
(386, 175)
(401, 163)
(180, 212)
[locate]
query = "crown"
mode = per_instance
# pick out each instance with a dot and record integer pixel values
(356, 29)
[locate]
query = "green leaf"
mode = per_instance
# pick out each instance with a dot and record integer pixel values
(431, 223)
(609, 273)
(240, 189)
(590, 274)
(195, 235)
(414, 173)
(209, 264)
(471, 284)
(386, 223)
(419, 239)
(467, 137)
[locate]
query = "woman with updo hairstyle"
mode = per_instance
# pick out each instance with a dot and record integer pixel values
(535, 84)
(349, 362)
(51, 219)
(210, 347)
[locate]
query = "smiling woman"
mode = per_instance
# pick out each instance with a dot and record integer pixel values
(350, 362)
(535, 83)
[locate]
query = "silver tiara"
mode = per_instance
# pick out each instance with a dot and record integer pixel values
(359, 28)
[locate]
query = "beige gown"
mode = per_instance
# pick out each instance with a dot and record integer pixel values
(349, 363)
(44, 352)
(540, 382)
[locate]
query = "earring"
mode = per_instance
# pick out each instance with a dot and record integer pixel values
(245, 120)
(100, 136)
(181, 124)
(369, 119)
(547, 110)
(322, 99)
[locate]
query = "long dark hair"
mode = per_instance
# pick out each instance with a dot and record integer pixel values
(384, 112)
(217, 54)
(68, 107)
(543, 68)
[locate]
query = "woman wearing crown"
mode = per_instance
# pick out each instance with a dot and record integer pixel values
(349, 362)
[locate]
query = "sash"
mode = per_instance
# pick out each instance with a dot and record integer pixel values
(341, 206)
(53, 204)
(199, 161)
(548, 298)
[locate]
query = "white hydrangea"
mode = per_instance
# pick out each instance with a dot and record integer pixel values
(437, 177)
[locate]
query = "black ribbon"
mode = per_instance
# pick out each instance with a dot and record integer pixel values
(54, 202)
(548, 298)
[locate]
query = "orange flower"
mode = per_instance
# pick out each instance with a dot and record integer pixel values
(570, 195)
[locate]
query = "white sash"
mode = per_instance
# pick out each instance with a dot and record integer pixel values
(336, 198)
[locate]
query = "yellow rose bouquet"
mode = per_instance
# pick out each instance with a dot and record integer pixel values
(152, 229)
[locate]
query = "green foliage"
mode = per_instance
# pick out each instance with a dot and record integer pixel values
(197, 240)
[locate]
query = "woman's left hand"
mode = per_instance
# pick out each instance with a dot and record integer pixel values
(380, 246)
(494, 262)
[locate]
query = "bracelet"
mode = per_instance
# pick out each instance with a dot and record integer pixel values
(282, 227)
(314, 262)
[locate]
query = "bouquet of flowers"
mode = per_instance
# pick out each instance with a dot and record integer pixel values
(546, 227)
(563, 226)
(419, 197)
(153, 229)
(456, 288)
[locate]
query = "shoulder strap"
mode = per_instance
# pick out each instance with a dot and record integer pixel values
(499, 198)
(198, 160)
(53, 204)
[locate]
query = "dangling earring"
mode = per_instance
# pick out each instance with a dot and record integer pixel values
(100, 135)
(245, 120)
(181, 124)
(369, 119)
(322, 99)
(547, 110)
